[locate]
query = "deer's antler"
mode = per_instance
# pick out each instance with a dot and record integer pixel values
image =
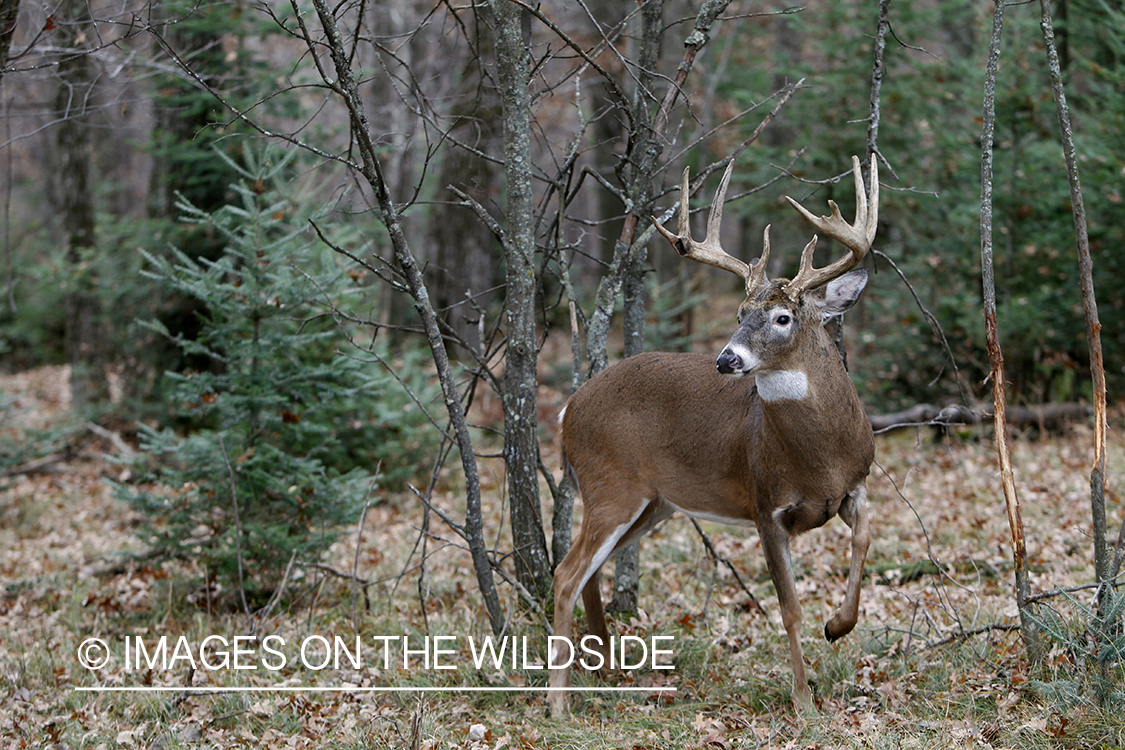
(709, 251)
(856, 236)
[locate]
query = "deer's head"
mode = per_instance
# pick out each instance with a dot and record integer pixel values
(781, 320)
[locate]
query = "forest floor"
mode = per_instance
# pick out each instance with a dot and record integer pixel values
(936, 660)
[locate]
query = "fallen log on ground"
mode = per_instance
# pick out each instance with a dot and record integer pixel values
(1044, 416)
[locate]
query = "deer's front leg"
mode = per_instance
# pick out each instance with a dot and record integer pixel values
(853, 511)
(775, 544)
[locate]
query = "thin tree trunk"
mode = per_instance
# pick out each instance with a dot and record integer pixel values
(1102, 563)
(9, 12)
(73, 144)
(627, 561)
(520, 392)
(996, 356)
(371, 169)
(610, 286)
(626, 579)
(877, 81)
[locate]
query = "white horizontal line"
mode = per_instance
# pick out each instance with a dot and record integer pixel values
(317, 689)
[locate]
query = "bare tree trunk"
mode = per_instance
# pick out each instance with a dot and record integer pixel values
(653, 139)
(626, 580)
(877, 81)
(84, 345)
(520, 393)
(345, 85)
(9, 12)
(1015, 520)
(1102, 564)
(627, 561)
(646, 146)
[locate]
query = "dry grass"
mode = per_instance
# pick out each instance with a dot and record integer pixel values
(940, 566)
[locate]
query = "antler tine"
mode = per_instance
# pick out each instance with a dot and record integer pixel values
(709, 251)
(857, 236)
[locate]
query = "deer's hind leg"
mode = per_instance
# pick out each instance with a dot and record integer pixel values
(580, 571)
(653, 514)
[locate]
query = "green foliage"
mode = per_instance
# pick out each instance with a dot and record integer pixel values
(1088, 651)
(280, 442)
(929, 220)
(193, 122)
(671, 314)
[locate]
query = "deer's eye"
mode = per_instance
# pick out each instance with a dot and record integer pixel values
(782, 320)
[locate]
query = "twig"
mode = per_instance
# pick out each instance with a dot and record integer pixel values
(1063, 590)
(458, 528)
(358, 543)
(933, 321)
(33, 466)
(964, 635)
(264, 613)
(716, 558)
(339, 573)
(118, 443)
(531, 602)
(481, 212)
(237, 526)
(944, 574)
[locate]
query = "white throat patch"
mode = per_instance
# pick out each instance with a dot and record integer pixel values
(782, 385)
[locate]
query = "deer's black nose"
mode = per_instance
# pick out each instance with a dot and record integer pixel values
(729, 362)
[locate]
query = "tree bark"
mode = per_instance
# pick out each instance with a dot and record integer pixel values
(1031, 639)
(1102, 563)
(520, 391)
(371, 169)
(626, 579)
(84, 346)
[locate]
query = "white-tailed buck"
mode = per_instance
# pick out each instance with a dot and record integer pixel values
(786, 449)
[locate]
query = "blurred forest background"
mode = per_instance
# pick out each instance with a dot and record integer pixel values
(319, 277)
(206, 221)
(106, 134)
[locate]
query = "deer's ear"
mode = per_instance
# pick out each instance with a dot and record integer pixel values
(838, 295)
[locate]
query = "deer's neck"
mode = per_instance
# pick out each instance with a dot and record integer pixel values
(815, 375)
(782, 385)
(814, 397)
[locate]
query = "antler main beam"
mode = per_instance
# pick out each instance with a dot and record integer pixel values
(710, 251)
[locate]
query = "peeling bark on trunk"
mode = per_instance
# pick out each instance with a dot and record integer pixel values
(1030, 634)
